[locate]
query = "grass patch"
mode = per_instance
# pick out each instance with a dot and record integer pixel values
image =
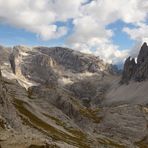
(88, 112)
(91, 114)
(79, 141)
(108, 142)
(75, 132)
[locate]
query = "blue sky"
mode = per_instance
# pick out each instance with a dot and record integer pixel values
(10, 36)
(121, 38)
(98, 27)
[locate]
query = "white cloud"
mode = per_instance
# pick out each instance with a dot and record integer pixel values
(107, 11)
(90, 20)
(90, 33)
(105, 49)
(140, 33)
(36, 16)
(66, 9)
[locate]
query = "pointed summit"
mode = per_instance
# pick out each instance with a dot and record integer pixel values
(143, 54)
(136, 71)
(144, 44)
(129, 70)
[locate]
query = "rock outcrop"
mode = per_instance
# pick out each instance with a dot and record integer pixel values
(136, 71)
(47, 65)
(129, 70)
(74, 60)
(7, 110)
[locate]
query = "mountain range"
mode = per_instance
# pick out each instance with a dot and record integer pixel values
(61, 98)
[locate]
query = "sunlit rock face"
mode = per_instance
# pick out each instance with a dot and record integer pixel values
(58, 97)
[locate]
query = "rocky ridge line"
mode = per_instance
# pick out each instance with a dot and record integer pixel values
(137, 71)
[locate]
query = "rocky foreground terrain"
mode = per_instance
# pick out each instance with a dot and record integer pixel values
(61, 98)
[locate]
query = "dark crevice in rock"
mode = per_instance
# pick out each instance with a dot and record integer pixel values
(12, 62)
(12, 58)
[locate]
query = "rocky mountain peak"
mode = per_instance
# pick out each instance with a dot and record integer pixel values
(143, 54)
(71, 100)
(44, 65)
(129, 69)
(136, 71)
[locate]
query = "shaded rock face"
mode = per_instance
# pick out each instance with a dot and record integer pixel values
(74, 60)
(113, 69)
(136, 71)
(4, 54)
(141, 72)
(40, 69)
(12, 59)
(1, 92)
(7, 110)
(129, 70)
(46, 65)
(143, 54)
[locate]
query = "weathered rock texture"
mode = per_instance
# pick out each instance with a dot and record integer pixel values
(136, 71)
(53, 97)
(7, 110)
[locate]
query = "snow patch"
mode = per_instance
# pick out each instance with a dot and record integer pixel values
(64, 81)
(7, 72)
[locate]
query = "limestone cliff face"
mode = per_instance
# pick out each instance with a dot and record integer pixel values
(51, 102)
(1, 91)
(141, 72)
(136, 71)
(55, 97)
(7, 110)
(74, 60)
(49, 65)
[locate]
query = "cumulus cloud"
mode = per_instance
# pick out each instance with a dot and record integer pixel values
(90, 33)
(140, 33)
(90, 20)
(40, 16)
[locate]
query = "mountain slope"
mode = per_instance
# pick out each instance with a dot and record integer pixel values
(60, 98)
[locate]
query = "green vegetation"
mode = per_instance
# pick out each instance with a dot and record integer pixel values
(111, 143)
(88, 112)
(29, 118)
(57, 121)
(75, 132)
(91, 114)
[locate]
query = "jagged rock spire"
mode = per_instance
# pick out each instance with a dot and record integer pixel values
(129, 69)
(143, 54)
(139, 71)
